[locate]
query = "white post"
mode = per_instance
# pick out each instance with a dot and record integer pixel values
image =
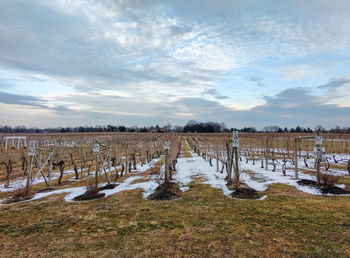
(318, 152)
(5, 143)
(166, 166)
(235, 145)
(96, 150)
(109, 153)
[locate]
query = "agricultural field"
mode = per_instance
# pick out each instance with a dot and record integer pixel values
(175, 194)
(201, 128)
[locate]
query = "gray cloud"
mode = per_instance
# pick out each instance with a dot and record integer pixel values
(30, 101)
(334, 83)
(146, 51)
(82, 40)
(291, 107)
(13, 99)
(259, 82)
(297, 106)
(214, 93)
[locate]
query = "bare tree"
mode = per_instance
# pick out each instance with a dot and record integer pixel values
(9, 170)
(61, 166)
(24, 164)
(75, 171)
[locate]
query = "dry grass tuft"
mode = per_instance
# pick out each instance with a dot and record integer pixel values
(19, 195)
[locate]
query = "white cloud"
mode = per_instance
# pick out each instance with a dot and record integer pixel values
(139, 58)
(301, 71)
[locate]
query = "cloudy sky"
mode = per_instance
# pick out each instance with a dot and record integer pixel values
(146, 62)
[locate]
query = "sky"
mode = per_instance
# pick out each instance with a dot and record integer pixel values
(146, 62)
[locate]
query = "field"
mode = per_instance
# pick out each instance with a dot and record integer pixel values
(261, 209)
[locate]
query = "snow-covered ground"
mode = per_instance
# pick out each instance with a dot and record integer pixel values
(263, 178)
(189, 168)
(196, 166)
(19, 183)
(148, 186)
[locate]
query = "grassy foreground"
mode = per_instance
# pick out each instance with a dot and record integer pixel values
(203, 223)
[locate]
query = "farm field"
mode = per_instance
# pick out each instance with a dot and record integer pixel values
(201, 128)
(279, 216)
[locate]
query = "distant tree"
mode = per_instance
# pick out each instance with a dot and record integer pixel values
(248, 130)
(144, 130)
(298, 129)
(271, 129)
(178, 128)
(122, 128)
(157, 129)
(320, 128)
(168, 127)
(199, 127)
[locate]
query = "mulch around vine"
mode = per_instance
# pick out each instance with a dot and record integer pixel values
(89, 196)
(324, 189)
(246, 193)
(166, 191)
(107, 187)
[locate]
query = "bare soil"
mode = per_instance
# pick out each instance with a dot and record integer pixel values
(166, 191)
(89, 196)
(246, 193)
(46, 190)
(307, 182)
(324, 189)
(334, 190)
(107, 186)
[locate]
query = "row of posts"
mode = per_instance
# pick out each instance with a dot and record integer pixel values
(21, 141)
(319, 151)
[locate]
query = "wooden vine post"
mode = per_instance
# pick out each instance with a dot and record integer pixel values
(107, 159)
(96, 150)
(33, 157)
(31, 153)
(50, 170)
(235, 145)
(297, 141)
(230, 154)
(217, 155)
(319, 153)
(267, 153)
(166, 169)
(296, 172)
(82, 163)
(126, 157)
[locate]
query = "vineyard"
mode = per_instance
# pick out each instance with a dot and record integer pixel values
(263, 159)
(176, 174)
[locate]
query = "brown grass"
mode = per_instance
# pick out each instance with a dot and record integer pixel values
(202, 223)
(186, 149)
(140, 180)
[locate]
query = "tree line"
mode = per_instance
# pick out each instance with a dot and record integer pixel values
(191, 126)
